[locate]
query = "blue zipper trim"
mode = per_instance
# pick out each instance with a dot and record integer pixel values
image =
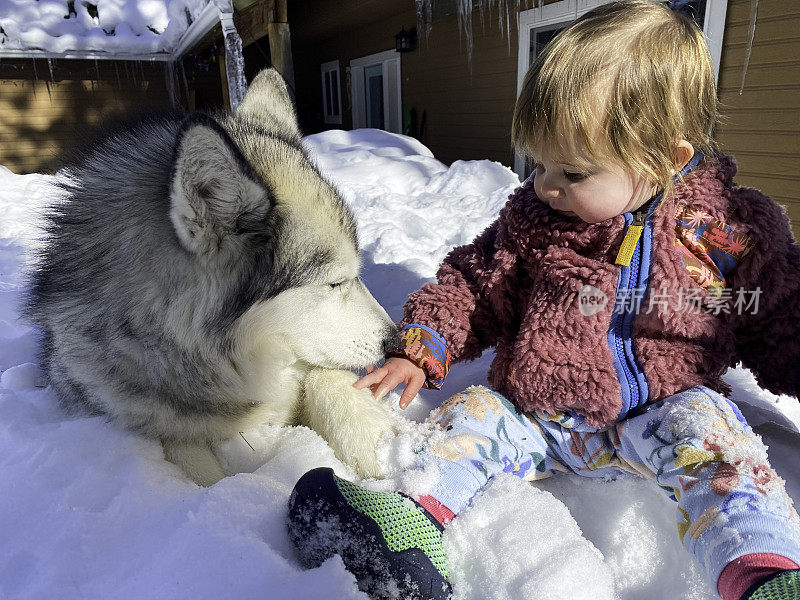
(633, 384)
(627, 380)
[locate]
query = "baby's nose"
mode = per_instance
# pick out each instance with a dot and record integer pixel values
(547, 191)
(545, 186)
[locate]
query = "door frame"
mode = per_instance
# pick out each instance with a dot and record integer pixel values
(392, 107)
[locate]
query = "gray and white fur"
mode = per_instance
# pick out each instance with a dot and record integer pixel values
(200, 269)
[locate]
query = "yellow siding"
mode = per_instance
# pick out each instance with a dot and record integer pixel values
(761, 126)
(41, 117)
(468, 113)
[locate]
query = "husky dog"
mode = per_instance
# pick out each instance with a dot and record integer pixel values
(201, 277)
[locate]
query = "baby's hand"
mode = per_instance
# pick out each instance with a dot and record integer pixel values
(395, 370)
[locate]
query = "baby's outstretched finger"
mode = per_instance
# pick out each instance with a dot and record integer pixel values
(370, 379)
(388, 384)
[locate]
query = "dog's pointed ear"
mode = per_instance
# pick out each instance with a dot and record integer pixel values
(268, 103)
(212, 186)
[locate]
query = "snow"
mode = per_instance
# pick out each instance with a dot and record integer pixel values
(137, 27)
(88, 510)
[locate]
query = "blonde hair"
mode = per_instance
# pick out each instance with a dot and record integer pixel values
(631, 79)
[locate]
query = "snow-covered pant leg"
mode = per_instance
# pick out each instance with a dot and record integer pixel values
(486, 435)
(702, 452)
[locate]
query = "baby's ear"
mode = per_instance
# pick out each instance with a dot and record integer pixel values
(681, 155)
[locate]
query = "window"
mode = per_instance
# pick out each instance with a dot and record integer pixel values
(331, 93)
(540, 38)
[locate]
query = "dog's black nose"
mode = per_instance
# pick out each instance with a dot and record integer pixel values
(392, 341)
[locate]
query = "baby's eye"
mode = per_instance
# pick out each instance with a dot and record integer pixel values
(575, 176)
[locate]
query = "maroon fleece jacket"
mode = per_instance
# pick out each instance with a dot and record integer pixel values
(516, 288)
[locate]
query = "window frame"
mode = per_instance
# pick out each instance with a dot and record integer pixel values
(331, 118)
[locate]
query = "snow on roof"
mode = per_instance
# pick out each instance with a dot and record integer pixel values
(113, 26)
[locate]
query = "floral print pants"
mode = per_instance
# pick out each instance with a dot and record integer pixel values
(695, 445)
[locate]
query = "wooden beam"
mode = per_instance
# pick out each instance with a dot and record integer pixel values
(223, 74)
(252, 22)
(280, 48)
(281, 16)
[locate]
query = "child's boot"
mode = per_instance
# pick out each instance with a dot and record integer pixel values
(781, 586)
(388, 541)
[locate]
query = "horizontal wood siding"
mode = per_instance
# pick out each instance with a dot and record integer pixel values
(42, 116)
(761, 126)
(468, 110)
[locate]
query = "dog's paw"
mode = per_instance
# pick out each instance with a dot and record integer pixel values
(350, 420)
(196, 459)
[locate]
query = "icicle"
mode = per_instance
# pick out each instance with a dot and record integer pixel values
(424, 9)
(508, 26)
(50, 67)
(234, 61)
(185, 85)
(171, 91)
(505, 10)
(116, 69)
(35, 77)
(751, 32)
(465, 26)
(500, 15)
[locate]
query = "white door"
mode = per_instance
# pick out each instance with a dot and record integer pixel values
(538, 26)
(375, 86)
(373, 100)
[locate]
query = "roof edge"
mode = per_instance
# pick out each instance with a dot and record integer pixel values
(207, 19)
(86, 55)
(195, 32)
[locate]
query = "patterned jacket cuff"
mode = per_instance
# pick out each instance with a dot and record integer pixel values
(427, 349)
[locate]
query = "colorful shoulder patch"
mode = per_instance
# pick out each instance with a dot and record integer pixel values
(709, 246)
(425, 347)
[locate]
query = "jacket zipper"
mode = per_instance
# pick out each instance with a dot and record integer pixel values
(634, 258)
(632, 382)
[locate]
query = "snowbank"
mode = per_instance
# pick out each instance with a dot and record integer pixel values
(88, 510)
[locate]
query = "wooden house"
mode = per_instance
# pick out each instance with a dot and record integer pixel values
(54, 88)
(348, 74)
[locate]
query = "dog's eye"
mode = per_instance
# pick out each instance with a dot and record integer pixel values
(336, 285)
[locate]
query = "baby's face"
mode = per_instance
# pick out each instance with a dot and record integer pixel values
(591, 191)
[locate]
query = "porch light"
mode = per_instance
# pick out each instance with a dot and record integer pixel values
(405, 40)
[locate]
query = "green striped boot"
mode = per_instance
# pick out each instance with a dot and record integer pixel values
(388, 541)
(781, 586)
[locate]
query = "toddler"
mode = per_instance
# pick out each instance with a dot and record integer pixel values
(617, 285)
